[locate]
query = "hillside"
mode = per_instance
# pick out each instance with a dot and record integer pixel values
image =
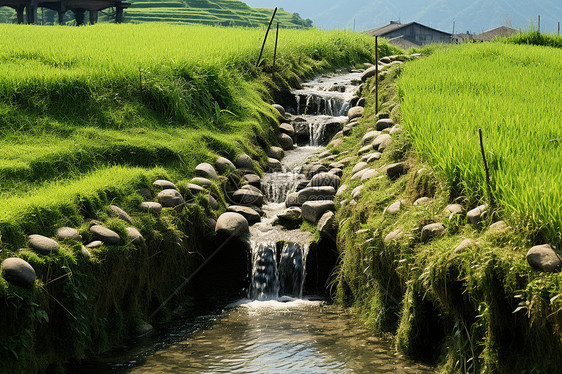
(475, 16)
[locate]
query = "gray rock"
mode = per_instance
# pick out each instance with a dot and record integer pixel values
(423, 201)
(500, 226)
(232, 224)
(206, 170)
(150, 206)
(476, 215)
(454, 209)
(368, 174)
(287, 128)
(382, 142)
(279, 109)
(336, 171)
(396, 170)
(325, 179)
(395, 130)
(135, 236)
(291, 218)
(85, 253)
(213, 202)
(370, 72)
(361, 102)
(365, 149)
(223, 165)
(313, 210)
(145, 193)
(292, 200)
(358, 167)
(94, 244)
(337, 165)
(68, 233)
(432, 231)
(394, 235)
(358, 175)
(253, 180)
(356, 192)
(246, 197)
(164, 184)
(276, 152)
(115, 211)
(370, 136)
(18, 272)
(315, 194)
(244, 161)
(327, 225)
(106, 235)
(195, 189)
(251, 215)
(171, 198)
(393, 208)
(385, 60)
(251, 188)
(203, 182)
(142, 330)
(335, 143)
(311, 170)
(286, 142)
(43, 245)
(355, 112)
(274, 165)
(544, 258)
(374, 156)
(342, 189)
(384, 123)
(465, 244)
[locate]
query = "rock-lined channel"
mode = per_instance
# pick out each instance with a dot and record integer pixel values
(277, 329)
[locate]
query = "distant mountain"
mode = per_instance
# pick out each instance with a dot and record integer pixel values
(468, 15)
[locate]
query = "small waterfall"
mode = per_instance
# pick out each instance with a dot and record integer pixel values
(270, 281)
(276, 186)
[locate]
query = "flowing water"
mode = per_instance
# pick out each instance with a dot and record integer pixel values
(275, 330)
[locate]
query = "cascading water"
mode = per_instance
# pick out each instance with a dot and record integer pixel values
(321, 112)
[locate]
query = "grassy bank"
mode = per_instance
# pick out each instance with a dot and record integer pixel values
(478, 308)
(90, 115)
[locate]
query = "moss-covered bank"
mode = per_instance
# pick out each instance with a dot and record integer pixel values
(475, 308)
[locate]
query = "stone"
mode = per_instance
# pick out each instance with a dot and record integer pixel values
(476, 215)
(203, 182)
(171, 198)
(465, 244)
(106, 235)
(287, 128)
(374, 156)
(164, 184)
(274, 165)
(361, 102)
(313, 210)
(393, 208)
(291, 218)
(356, 192)
(195, 189)
(500, 226)
(85, 253)
(396, 170)
(358, 175)
(292, 200)
(253, 180)
(251, 215)
(395, 130)
(246, 197)
(315, 194)
(358, 167)
(115, 211)
(43, 245)
(454, 209)
(370, 72)
(18, 272)
(135, 236)
(145, 193)
(336, 171)
(327, 225)
(223, 165)
(150, 206)
(251, 188)
(68, 233)
(142, 330)
(382, 142)
(325, 179)
(276, 152)
(370, 136)
(544, 258)
(279, 109)
(337, 165)
(342, 189)
(385, 60)
(355, 112)
(431, 231)
(206, 170)
(335, 143)
(94, 244)
(232, 224)
(384, 123)
(394, 235)
(423, 201)
(213, 202)
(311, 170)
(244, 161)
(365, 149)
(286, 142)
(368, 174)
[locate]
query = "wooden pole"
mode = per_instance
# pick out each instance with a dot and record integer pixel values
(539, 24)
(275, 50)
(485, 164)
(265, 38)
(558, 28)
(377, 74)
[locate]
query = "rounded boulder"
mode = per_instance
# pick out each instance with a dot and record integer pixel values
(232, 224)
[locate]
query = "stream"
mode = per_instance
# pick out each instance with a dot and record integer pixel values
(276, 329)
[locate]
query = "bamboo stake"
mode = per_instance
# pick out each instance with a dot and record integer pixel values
(275, 51)
(265, 38)
(485, 164)
(377, 74)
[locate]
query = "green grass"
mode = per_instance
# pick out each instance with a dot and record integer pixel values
(513, 93)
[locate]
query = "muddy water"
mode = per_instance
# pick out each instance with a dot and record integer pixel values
(283, 336)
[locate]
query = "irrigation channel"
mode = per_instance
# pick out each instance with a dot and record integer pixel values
(275, 329)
